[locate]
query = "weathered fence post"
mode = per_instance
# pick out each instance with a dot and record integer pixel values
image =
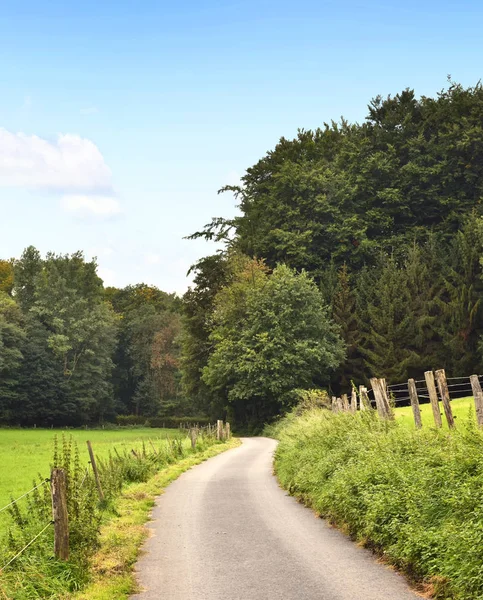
(354, 401)
(219, 429)
(96, 473)
(433, 396)
(413, 396)
(478, 396)
(364, 398)
(334, 404)
(340, 407)
(193, 437)
(227, 431)
(444, 393)
(378, 389)
(385, 397)
(345, 402)
(59, 514)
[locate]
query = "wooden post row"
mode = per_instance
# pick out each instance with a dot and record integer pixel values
(478, 396)
(59, 514)
(96, 472)
(433, 396)
(413, 395)
(444, 393)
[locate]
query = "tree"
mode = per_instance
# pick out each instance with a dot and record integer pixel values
(6, 276)
(12, 336)
(272, 335)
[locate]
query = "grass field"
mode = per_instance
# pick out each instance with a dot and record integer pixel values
(27, 453)
(462, 408)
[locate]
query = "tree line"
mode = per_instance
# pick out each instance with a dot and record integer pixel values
(73, 352)
(384, 218)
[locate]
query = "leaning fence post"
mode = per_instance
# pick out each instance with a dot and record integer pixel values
(377, 388)
(219, 429)
(433, 396)
(96, 473)
(385, 398)
(478, 396)
(59, 514)
(444, 393)
(413, 396)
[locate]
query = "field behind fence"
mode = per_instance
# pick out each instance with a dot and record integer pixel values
(435, 388)
(68, 504)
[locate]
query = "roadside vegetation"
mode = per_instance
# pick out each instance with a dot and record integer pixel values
(412, 496)
(26, 538)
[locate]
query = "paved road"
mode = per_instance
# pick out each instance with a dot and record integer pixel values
(225, 531)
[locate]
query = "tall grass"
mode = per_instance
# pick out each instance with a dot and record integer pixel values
(414, 496)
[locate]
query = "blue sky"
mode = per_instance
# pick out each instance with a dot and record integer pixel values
(119, 121)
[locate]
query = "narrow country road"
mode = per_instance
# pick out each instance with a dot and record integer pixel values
(226, 531)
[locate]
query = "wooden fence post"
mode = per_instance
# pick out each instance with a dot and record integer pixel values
(478, 396)
(345, 402)
(193, 437)
(377, 388)
(96, 473)
(364, 398)
(219, 429)
(227, 431)
(59, 514)
(444, 393)
(340, 407)
(354, 401)
(334, 404)
(413, 395)
(385, 397)
(433, 396)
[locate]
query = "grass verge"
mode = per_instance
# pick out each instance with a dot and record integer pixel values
(123, 535)
(412, 496)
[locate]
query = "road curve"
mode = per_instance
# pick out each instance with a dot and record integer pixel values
(225, 531)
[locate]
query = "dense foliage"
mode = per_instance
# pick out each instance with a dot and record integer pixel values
(72, 352)
(386, 216)
(412, 495)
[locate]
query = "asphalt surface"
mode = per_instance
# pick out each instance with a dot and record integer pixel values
(226, 531)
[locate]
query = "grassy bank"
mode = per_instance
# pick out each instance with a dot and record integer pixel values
(463, 409)
(413, 496)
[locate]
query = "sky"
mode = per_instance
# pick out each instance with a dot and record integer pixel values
(119, 121)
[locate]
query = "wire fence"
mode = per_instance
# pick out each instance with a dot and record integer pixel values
(459, 387)
(26, 546)
(43, 482)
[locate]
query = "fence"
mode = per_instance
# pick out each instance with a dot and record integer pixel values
(58, 489)
(435, 387)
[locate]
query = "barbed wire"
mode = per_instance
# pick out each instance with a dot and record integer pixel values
(26, 546)
(23, 495)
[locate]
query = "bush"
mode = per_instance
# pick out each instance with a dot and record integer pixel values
(414, 495)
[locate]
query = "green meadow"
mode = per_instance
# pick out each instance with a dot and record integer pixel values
(27, 454)
(462, 408)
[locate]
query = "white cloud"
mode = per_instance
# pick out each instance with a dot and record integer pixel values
(70, 163)
(84, 205)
